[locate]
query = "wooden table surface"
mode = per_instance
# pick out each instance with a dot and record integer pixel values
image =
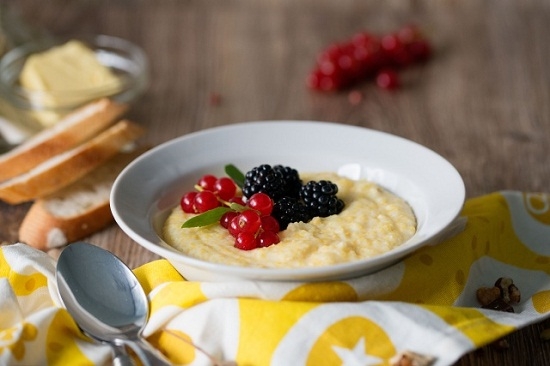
(482, 101)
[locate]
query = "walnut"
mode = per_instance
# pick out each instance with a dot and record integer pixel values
(499, 305)
(486, 295)
(409, 358)
(509, 292)
(501, 296)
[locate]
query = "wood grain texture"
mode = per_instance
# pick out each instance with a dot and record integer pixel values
(483, 101)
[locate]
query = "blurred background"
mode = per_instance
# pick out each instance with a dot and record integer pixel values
(484, 92)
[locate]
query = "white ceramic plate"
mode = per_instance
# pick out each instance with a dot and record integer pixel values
(146, 191)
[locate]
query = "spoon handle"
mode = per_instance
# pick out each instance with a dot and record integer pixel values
(120, 357)
(149, 355)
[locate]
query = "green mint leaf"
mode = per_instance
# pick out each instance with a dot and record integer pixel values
(207, 218)
(234, 173)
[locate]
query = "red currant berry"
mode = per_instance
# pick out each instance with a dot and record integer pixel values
(332, 52)
(420, 50)
(187, 202)
(238, 200)
(396, 51)
(205, 201)
(329, 68)
(207, 182)
(330, 83)
(225, 188)
(261, 202)
(355, 97)
(246, 241)
(361, 39)
(387, 79)
(409, 33)
(370, 58)
(269, 223)
(350, 66)
(234, 228)
(391, 43)
(318, 81)
(402, 58)
(267, 238)
(249, 221)
(226, 218)
(313, 80)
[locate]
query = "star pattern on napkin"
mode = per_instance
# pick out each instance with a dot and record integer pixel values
(356, 356)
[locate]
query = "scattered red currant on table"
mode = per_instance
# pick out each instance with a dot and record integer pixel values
(387, 79)
(366, 55)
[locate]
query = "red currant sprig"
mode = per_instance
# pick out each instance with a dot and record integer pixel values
(254, 227)
(216, 200)
(366, 55)
(211, 193)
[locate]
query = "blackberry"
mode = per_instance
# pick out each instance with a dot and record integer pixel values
(293, 183)
(320, 198)
(288, 210)
(264, 179)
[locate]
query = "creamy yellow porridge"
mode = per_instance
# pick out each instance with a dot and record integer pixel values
(373, 222)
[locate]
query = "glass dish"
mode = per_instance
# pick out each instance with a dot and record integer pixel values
(20, 105)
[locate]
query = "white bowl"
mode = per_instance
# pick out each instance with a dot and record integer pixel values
(146, 191)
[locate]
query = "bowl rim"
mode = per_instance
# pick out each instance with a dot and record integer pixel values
(285, 274)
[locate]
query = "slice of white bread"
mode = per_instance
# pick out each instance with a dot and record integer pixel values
(71, 131)
(67, 167)
(76, 211)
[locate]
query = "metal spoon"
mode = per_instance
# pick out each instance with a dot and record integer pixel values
(105, 298)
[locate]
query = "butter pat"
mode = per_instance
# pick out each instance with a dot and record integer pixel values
(68, 75)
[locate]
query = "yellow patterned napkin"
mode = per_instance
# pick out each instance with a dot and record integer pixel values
(426, 304)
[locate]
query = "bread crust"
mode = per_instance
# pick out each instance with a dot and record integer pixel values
(42, 230)
(69, 166)
(76, 211)
(75, 128)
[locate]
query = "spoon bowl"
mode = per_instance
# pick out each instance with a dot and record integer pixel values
(105, 298)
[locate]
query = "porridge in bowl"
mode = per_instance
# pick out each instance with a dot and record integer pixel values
(148, 190)
(372, 221)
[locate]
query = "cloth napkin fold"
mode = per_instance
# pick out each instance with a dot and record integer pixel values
(425, 304)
